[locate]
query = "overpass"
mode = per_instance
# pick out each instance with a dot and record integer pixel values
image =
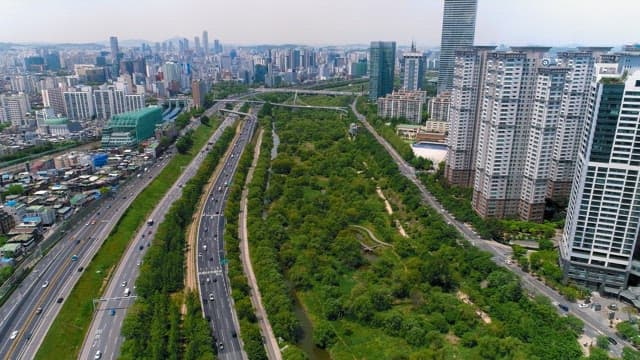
(308, 92)
(334, 108)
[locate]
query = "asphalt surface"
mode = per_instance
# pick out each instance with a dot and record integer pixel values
(61, 272)
(592, 327)
(104, 334)
(211, 261)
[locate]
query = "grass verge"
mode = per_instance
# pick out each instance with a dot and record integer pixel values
(64, 338)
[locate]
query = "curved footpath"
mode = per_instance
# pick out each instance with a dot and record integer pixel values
(270, 343)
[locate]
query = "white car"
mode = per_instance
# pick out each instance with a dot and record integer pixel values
(14, 334)
(582, 306)
(124, 284)
(98, 354)
(46, 283)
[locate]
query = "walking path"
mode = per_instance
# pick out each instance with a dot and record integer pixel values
(270, 343)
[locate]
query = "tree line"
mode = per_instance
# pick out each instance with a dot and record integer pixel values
(154, 328)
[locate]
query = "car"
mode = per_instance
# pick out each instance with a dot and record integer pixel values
(13, 335)
(45, 284)
(563, 307)
(211, 298)
(113, 312)
(80, 269)
(60, 300)
(138, 263)
(124, 283)
(221, 346)
(208, 279)
(98, 354)
(140, 247)
(234, 335)
(582, 306)
(39, 310)
(108, 206)
(612, 340)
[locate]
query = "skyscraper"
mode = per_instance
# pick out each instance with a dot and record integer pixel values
(413, 70)
(382, 59)
(196, 42)
(458, 31)
(114, 46)
(205, 41)
(599, 247)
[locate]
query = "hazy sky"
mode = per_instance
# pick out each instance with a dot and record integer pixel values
(318, 22)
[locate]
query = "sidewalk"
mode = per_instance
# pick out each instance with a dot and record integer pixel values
(270, 343)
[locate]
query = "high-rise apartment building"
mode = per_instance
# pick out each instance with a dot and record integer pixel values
(382, 59)
(581, 64)
(413, 70)
(599, 247)
(458, 31)
(464, 111)
(79, 104)
(52, 98)
(543, 126)
(16, 107)
(502, 139)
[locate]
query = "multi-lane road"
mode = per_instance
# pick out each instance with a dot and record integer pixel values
(104, 333)
(592, 327)
(31, 309)
(211, 261)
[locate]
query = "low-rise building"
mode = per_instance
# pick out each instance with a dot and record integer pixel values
(438, 107)
(131, 128)
(403, 104)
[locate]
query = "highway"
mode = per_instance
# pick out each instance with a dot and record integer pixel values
(591, 327)
(61, 272)
(213, 281)
(104, 333)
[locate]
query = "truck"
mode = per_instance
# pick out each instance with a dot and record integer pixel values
(150, 222)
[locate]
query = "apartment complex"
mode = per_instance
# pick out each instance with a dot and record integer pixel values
(403, 104)
(515, 117)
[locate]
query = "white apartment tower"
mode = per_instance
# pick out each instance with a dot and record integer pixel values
(543, 125)
(16, 107)
(506, 107)
(79, 104)
(581, 64)
(52, 98)
(468, 77)
(599, 246)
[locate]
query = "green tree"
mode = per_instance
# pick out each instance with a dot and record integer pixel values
(204, 120)
(323, 335)
(14, 189)
(602, 342)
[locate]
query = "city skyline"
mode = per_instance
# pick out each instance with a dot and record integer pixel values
(329, 22)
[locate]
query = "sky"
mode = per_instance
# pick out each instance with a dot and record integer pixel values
(318, 22)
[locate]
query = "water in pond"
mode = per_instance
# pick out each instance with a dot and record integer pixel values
(306, 343)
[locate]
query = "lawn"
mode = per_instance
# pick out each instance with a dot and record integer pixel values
(65, 337)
